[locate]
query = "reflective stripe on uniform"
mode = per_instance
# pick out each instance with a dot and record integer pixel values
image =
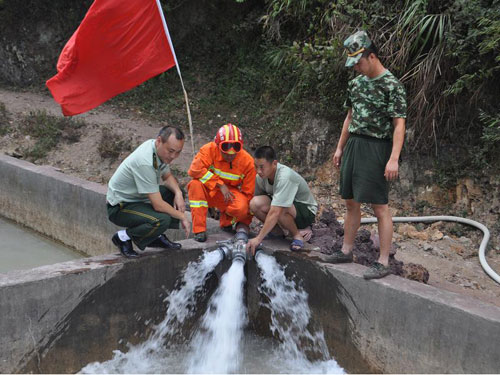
(196, 204)
(226, 175)
(207, 176)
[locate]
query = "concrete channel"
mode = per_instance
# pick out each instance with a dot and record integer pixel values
(58, 318)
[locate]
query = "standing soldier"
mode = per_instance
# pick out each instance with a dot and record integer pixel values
(223, 177)
(369, 147)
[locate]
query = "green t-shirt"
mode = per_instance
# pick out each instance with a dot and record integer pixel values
(288, 187)
(375, 102)
(137, 176)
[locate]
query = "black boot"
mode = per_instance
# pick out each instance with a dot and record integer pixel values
(163, 242)
(200, 237)
(125, 247)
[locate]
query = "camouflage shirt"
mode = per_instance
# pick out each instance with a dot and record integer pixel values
(375, 102)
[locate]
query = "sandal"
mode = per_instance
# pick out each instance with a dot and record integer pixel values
(296, 245)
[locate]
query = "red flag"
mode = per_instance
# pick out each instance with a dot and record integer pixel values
(118, 45)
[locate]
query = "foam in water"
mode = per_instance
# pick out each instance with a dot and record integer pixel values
(149, 357)
(216, 347)
(290, 318)
(220, 344)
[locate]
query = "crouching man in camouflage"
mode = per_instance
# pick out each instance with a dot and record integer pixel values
(369, 147)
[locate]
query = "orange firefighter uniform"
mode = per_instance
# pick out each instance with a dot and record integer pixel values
(208, 170)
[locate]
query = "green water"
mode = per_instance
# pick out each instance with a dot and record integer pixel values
(21, 248)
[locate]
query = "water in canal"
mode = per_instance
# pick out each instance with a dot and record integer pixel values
(22, 248)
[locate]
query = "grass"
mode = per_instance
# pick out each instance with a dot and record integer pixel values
(111, 144)
(48, 131)
(4, 120)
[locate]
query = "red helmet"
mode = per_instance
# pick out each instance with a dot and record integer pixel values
(229, 139)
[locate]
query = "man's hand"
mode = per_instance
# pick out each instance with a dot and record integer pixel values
(228, 196)
(337, 157)
(179, 203)
(186, 225)
(391, 170)
(252, 245)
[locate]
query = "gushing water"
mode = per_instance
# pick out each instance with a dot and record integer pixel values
(150, 356)
(290, 320)
(219, 346)
(216, 347)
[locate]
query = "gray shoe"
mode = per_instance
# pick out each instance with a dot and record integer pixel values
(339, 257)
(377, 271)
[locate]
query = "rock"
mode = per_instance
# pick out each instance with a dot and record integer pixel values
(423, 236)
(436, 235)
(363, 236)
(434, 195)
(457, 248)
(319, 232)
(427, 246)
(403, 229)
(467, 284)
(328, 236)
(465, 240)
(436, 224)
(416, 272)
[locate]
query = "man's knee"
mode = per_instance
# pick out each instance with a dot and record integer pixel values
(352, 206)
(164, 222)
(195, 186)
(238, 211)
(260, 203)
(381, 210)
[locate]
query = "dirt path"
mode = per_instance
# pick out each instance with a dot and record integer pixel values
(452, 262)
(82, 158)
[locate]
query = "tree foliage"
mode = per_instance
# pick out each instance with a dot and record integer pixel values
(447, 54)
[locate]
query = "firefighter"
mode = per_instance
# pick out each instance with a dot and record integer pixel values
(223, 176)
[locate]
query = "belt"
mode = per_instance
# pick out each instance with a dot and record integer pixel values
(356, 135)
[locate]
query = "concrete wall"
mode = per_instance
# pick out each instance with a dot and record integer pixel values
(66, 208)
(397, 325)
(56, 319)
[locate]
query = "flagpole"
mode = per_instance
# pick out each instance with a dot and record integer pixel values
(178, 72)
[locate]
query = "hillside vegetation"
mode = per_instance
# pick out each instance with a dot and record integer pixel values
(276, 67)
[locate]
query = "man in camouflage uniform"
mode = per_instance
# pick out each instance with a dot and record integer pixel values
(369, 147)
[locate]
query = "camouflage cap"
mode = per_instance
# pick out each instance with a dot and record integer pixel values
(355, 45)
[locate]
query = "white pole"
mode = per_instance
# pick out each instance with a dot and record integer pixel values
(178, 72)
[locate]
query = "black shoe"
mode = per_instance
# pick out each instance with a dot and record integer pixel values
(200, 237)
(339, 257)
(163, 242)
(228, 229)
(377, 271)
(125, 247)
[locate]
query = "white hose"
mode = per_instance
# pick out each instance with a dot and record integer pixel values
(482, 248)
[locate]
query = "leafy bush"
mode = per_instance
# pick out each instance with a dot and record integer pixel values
(4, 119)
(48, 130)
(111, 144)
